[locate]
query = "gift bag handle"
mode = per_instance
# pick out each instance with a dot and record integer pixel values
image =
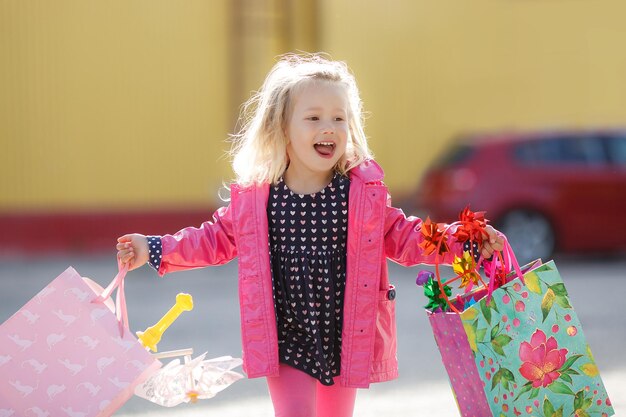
(120, 298)
(509, 263)
(507, 258)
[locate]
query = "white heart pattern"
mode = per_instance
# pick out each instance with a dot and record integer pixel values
(305, 342)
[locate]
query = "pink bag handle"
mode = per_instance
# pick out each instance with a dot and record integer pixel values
(509, 263)
(120, 298)
(507, 258)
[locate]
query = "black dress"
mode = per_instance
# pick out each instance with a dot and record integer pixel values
(308, 236)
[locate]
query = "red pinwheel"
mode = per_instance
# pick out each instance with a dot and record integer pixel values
(472, 226)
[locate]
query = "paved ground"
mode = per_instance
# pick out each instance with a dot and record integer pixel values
(596, 288)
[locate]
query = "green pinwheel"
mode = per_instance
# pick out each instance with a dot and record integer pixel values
(433, 292)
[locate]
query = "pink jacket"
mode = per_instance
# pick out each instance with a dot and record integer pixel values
(376, 231)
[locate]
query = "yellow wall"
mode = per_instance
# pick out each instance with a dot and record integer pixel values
(126, 104)
(112, 104)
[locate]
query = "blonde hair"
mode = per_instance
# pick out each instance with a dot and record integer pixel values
(259, 148)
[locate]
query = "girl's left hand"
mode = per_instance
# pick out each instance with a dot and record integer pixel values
(494, 242)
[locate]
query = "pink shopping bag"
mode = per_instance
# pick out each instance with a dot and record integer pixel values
(66, 352)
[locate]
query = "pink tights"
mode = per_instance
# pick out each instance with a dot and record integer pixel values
(296, 394)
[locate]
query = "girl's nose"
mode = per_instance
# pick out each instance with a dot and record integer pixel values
(328, 130)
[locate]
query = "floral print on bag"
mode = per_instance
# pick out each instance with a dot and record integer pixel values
(541, 360)
(530, 350)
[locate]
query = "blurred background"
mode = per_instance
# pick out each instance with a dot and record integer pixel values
(114, 116)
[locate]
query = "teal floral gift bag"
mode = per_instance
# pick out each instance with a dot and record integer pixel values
(522, 352)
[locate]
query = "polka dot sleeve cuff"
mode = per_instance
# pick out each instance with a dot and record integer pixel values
(154, 251)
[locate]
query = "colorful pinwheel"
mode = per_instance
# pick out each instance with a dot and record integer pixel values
(434, 238)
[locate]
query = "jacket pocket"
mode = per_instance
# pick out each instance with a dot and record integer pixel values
(385, 342)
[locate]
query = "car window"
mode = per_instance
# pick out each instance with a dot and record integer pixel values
(617, 149)
(586, 150)
(583, 150)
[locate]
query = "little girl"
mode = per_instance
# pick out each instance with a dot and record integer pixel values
(311, 223)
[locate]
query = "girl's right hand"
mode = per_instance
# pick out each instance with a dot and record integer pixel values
(132, 249)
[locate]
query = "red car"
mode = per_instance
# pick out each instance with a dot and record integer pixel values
(545, 191)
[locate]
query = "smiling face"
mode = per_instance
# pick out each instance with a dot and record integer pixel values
(317, 131)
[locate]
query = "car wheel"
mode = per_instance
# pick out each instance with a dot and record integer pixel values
(530, 234)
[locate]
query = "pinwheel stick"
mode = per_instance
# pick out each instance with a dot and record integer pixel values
(152, 336)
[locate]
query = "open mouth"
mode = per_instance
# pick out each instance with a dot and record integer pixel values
(325, 149)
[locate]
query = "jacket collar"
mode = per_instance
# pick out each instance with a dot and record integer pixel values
(368, 171)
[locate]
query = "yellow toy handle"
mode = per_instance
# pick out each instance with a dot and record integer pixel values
(152, 335)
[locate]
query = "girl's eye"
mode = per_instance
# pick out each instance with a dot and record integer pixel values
(339, 119)
(314, 118)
